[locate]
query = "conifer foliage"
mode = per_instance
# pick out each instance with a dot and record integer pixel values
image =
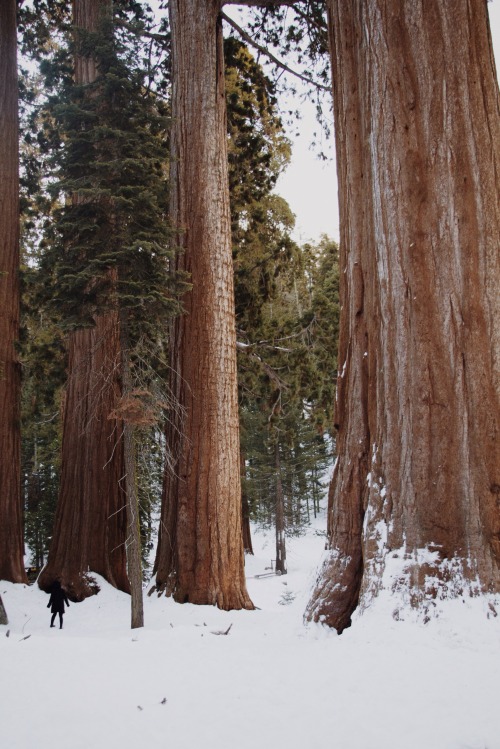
(104, 279)
(107, 258)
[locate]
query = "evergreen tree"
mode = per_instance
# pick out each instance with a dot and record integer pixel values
(287, 375)
(107, 249)
(287, 323)
(43, 359)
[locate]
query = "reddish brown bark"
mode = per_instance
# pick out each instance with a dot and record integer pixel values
(200, 553)
(90, 525)
(418, 146)
(11, 528)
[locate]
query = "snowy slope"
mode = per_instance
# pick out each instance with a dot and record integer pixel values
(270, 683)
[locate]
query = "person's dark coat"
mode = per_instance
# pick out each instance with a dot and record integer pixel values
(57, 599)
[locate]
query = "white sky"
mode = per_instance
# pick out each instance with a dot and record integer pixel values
(310, 186)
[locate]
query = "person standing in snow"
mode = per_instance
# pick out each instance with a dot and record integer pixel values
(57, 599)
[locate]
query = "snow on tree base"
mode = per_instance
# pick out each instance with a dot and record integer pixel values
(420, 586)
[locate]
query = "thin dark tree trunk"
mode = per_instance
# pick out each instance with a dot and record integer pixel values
(200, 553)
(245, 510)
(90, 524)
(134, 562)
(280, 515)
(11, 523)
(418, 472)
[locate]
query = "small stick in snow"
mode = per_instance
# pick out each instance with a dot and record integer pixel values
(222, 631)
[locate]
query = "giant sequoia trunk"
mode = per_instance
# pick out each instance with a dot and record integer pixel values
(200, 553)
(90, 525)
(415, 498)
(11, 530)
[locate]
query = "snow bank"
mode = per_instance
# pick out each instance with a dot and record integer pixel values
(270, 682)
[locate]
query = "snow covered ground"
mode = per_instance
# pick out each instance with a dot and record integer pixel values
(270, 683)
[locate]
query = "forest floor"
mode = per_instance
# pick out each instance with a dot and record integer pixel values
(270, 682)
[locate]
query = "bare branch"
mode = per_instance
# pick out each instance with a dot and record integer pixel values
(271, 373)
(261, 3)
(274, 4)
(269, 54)
(271, 343)
(138, 31)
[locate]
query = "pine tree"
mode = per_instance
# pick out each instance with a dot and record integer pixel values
(109, 251)
(43, 358)
(283, 320)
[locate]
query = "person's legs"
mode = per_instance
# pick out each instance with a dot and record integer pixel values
(52, 620)
(60, 620)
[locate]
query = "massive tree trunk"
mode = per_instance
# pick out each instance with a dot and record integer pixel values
(200, 553)
(90, 525)
(11, 528)
(415, 498)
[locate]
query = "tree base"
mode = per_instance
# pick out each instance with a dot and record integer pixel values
(405, 584)
(78, 587)
(3, 613)
(232, 600)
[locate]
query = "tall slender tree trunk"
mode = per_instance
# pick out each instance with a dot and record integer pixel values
(279, 515)
(415, 499)
(134, 564)
(200, 553)
(90, 526)
(245, 510)
(11, 524)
